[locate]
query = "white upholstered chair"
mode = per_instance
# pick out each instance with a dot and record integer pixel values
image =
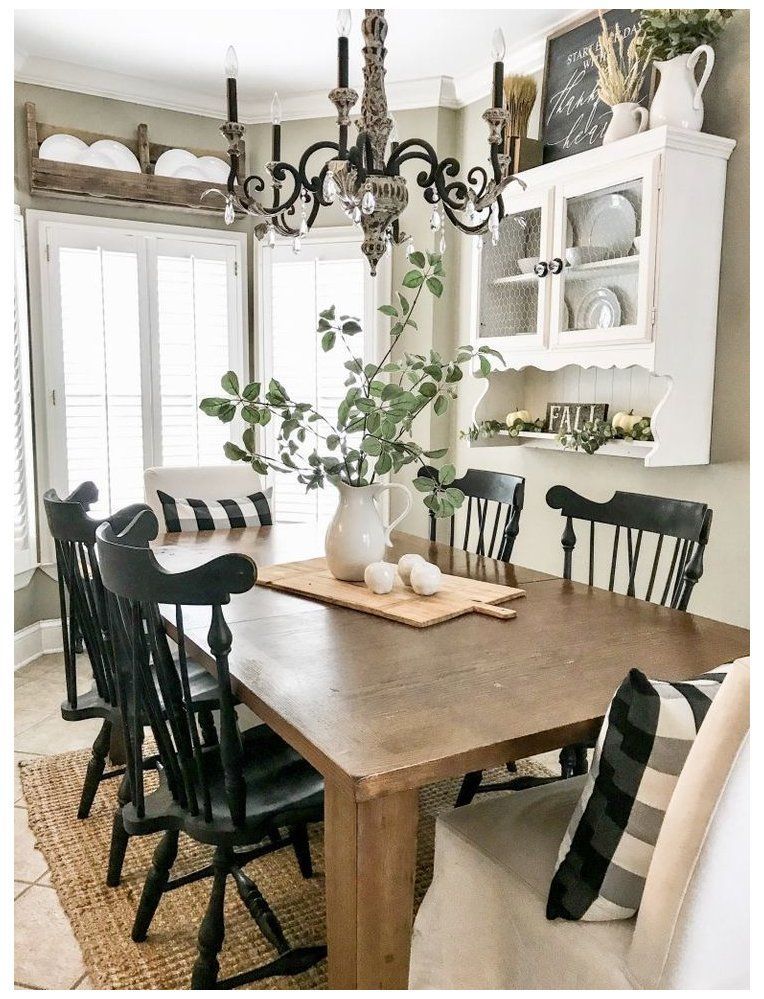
(482, 923)
(204, 482)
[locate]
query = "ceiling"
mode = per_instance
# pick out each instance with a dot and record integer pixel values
(435, 57)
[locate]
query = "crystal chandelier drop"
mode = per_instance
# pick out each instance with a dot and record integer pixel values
(363, 177)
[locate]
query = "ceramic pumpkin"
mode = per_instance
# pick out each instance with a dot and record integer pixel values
(626, 421)
(519, 414)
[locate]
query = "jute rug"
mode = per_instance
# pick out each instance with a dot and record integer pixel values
(101, 917)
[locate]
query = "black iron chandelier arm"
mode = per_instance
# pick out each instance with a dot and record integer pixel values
(315, 184)
(414, 149)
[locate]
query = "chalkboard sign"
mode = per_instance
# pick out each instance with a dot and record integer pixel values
(573, 118)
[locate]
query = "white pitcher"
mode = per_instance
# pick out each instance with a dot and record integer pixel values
(357, 536)
(626, 119)
(678, 100)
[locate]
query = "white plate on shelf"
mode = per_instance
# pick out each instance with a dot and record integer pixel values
(122, 157)
(62, 147)
(171, 160)
(598, 310)
(611, 222)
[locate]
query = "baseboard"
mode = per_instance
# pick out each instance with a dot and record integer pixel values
(37, 640)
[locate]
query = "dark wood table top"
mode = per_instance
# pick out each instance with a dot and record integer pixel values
(383, 707)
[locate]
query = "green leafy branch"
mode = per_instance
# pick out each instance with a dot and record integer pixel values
(372, 433)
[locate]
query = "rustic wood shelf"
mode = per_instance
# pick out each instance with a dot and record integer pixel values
(120, 186)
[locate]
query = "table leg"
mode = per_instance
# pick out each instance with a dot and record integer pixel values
(370, 864)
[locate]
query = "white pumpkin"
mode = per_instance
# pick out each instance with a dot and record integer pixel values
(426, 579)
(405, 564)
(519, 414)
(626, 421)
(379, 576)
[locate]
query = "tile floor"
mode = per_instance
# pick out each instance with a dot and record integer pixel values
(40, 730)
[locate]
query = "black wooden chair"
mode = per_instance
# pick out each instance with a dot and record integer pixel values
(83, 613)
(669, 579)
(236, 796)
(482, 524)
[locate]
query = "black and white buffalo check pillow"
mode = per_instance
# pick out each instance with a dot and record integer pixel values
(608, 845)
(215, 515)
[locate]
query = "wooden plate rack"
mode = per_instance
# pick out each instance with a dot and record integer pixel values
(73, 180)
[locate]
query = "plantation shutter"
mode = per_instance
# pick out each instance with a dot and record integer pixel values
(24, 537)
(194, 318)
(139, 326)
(300, 288)
(101, 353)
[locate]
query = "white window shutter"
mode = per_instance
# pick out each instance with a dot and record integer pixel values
(139, 324)
(300, 289)
(193, 324)
(24, 533)
(101, 344)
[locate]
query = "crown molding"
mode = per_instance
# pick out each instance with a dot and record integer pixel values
(436, 91)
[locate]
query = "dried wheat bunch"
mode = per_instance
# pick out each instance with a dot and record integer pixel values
(520, 94)
(621, 68)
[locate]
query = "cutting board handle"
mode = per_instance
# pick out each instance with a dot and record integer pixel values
(493, 610)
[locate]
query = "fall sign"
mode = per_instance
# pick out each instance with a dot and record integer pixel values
(565, 417)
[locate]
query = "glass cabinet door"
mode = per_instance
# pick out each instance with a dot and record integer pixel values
(513, 299)
(603, 262)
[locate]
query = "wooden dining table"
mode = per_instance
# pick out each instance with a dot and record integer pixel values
(381, 709)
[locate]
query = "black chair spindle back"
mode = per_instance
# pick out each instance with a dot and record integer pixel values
(80, 590)
(675, 569)
(136, 585)
(487, 531)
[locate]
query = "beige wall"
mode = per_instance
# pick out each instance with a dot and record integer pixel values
(724, 484)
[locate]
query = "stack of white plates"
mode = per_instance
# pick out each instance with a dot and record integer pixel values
(182, 163)
(107, 154)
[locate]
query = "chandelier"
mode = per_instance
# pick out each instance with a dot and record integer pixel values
(364, 176)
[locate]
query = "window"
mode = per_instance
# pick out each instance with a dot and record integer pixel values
(139, 324)
(330, 270)
(24, 536)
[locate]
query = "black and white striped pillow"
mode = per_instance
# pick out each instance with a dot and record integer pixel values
(214, 515)
(605, 854)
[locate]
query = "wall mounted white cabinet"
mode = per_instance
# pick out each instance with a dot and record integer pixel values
(610, 260)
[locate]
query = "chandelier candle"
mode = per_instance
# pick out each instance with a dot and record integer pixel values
(276, 128)
(231, 72)
(499, 48)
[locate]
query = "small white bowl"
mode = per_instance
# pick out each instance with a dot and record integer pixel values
(170, 160)
(526, 264)
(215, 168)
(62, 147)
(576, 255)
(118, 152)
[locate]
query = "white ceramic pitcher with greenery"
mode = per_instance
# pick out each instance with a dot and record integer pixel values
(678, 101)
(357, 534)
(371, 434)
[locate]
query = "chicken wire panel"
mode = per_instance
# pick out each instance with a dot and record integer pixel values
(602, 258)
(510, 307)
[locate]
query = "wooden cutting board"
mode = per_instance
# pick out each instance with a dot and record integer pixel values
(458, 595)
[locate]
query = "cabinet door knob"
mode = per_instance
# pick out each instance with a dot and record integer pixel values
(541, 269)
(555, 266)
